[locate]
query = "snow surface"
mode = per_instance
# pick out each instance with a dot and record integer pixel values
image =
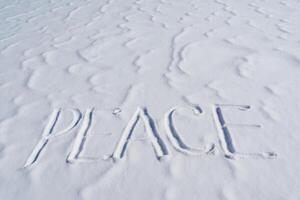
(149, 99)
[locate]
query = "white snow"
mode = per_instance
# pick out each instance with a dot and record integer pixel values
(149, 99)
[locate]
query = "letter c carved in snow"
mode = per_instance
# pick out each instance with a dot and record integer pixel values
(177, 141)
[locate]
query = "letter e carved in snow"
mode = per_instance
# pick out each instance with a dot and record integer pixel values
(225, 136)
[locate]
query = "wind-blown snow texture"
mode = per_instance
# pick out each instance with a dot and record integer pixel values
(150, 99)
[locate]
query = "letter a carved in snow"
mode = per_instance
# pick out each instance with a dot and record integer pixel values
(159, 147)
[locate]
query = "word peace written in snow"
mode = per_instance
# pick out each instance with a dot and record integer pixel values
(159, 145)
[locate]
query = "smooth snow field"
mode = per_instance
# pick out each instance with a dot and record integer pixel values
(149, 99)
